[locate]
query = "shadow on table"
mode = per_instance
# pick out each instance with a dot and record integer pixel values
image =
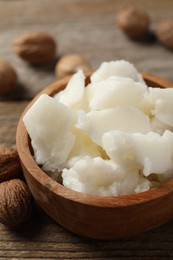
(18, 94)
(24, 92)
(155, 244)
(32, 228)
(47, 67)
(148, 39)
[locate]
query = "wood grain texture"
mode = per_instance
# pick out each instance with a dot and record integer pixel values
(9, 117)
(86, 27)
(41, 238)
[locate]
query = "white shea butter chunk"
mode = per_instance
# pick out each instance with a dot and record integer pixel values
(83, 146)
(159, 127)
(115, 91)
(74, 91)
(120, 68)
(88, 175)
(49, 124)
(102, 177)
(132, 183)
(96, 123)
(113, 137)
(150, 153)
(163, 104)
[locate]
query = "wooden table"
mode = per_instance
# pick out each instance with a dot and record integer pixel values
(88, 28)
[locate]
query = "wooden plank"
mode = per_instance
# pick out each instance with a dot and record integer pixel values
(85, 27)
(41, 237)
(9, 116)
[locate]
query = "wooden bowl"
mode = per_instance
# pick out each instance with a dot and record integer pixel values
(89, 215)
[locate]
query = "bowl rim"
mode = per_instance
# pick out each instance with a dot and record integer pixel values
(27, 160)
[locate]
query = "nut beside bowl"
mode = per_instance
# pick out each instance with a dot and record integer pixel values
(89, 215)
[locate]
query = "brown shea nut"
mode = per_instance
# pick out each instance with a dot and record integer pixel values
(70, 63)
(133, 21)
(35, 47)
(15, 203)
(10, 167)
(164, 32)
(8, 78)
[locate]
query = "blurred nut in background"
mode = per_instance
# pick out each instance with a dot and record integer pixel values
(70, 63)
(133, 21)
(164, 32)
(35, 47)
(8, 77)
